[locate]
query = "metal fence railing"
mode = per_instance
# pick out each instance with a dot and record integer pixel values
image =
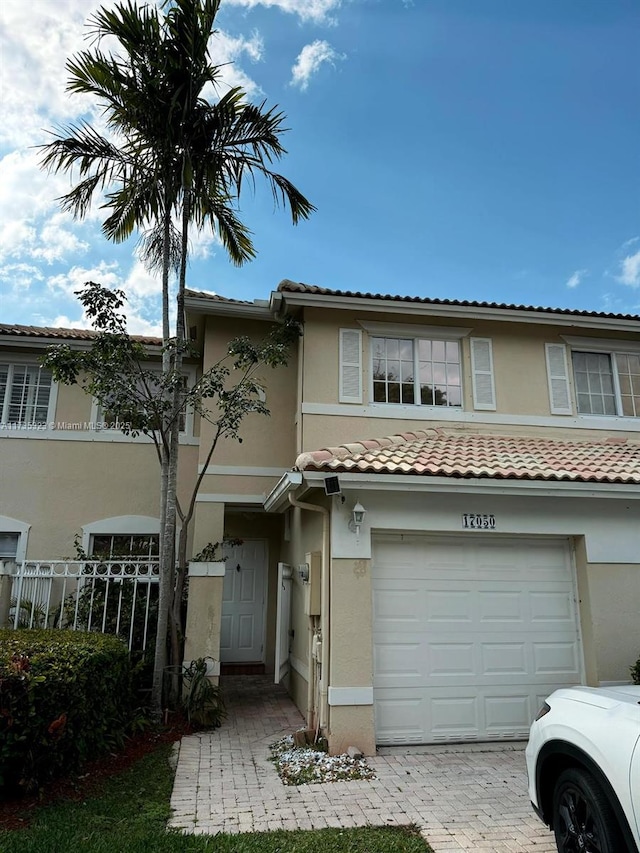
(118, 596)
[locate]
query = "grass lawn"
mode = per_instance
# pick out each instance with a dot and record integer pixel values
(130, 812)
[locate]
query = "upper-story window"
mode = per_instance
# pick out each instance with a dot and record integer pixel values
(416, 371)
(110, 420)
(25, 394)
(606, 377)
(416, 365)
(607, 383)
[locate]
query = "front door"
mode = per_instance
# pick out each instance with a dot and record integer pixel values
(243, 602)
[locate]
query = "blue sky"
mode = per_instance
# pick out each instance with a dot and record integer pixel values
(462, 149)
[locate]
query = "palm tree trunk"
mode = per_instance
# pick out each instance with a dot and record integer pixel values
(167, 500)
(167, 569)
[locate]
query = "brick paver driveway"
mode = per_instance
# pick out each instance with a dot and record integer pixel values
(468, 798)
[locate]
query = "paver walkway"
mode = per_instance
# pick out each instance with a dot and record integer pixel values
(471, 797)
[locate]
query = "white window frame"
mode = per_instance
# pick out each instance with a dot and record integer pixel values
(611, 348)
(414, 333)
(120, 525)
(97, 416)
(12, 525)
(16, 360)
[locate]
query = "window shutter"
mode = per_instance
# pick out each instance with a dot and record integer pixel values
(484, 392)
(558, 377)
(350, 366)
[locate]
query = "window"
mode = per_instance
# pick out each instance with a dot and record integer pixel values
(607, 383)
(110, 420)
(9, 545)
(606, 376)
(25, 392)
(111, 545)
(416, 371)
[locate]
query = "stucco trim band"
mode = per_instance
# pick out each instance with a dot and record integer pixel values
(206, 570)
(351, 696)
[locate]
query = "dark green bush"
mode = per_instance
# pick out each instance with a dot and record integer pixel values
(635, 672)
(65, 696)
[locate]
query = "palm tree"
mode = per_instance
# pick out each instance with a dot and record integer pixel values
(178, 157)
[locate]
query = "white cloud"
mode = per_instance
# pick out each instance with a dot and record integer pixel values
(309, 61)
(630, 270)
(32, 227)
(226, 50)
(142, 291)
(317, 11)
(20, 277)
(630, 242)
(576, 277)
(35, 41)
(37, 38)
(68, 283)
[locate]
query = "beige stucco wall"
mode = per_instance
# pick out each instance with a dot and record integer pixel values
(202, 631)
(266, 441)
(73, 405)
(331, 430)
(351, 653)
(519, 370)
(614, 592)
(57, 486)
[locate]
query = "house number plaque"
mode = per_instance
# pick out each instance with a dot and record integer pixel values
(478, 521)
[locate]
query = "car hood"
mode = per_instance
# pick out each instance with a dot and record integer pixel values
(602, 697)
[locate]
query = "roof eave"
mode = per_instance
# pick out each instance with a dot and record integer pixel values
(521, 315)
(37, 342)
(202, 305)
(278, 498)
(475, 485)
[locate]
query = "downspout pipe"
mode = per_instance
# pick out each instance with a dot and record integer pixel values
(324, 616)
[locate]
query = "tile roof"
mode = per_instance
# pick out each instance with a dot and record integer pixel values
(215, 297)
(15, 330)
(450, 453)
(287, 286)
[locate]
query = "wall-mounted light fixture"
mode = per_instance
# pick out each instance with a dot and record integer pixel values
(357, 518)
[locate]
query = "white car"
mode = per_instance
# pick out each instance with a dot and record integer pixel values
(583, 761)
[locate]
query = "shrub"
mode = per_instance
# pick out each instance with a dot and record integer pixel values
(64, 696)
(635, 672)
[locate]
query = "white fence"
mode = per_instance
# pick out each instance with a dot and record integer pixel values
(110, 597)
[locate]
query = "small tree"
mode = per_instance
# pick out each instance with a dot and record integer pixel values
(177, 158)
(139, 400)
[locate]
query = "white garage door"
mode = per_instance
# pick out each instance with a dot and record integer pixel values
(469, 635)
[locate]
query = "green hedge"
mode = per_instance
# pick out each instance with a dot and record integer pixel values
(65, 696)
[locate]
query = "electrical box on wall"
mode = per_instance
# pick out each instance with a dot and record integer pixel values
(312, 588)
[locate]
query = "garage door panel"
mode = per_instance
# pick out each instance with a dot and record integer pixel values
(400, 660)
(449, 605)
(454, 717)
(400, 604)
(507, 716)
(501, 606)
(559, 659)
(450, 659)
(552, 606)
(476, 638)
(504, 659)
(400, 718)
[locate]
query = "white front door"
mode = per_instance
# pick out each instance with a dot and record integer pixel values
(470, 635)
(243, 602)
